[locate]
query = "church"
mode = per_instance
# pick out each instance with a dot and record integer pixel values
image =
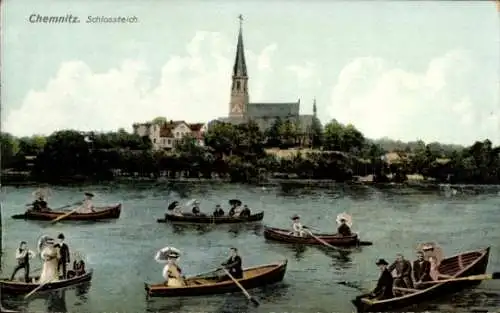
(241, 110)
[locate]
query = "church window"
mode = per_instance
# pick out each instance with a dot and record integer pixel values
(238, 85)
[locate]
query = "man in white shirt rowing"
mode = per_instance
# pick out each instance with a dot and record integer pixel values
(23, 256)
(87, 206)
(298, 229)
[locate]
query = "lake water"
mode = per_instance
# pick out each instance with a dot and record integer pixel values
(121, 252)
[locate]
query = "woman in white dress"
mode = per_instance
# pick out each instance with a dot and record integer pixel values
(50, 256)
(434, 268)
(172, 272)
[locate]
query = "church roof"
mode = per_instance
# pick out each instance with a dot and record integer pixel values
(240, 66)
(283, 109)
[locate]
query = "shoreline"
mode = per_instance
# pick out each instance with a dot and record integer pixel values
(272, 181)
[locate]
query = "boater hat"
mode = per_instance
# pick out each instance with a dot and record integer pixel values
(295, 217)
(381, 262)
(88, 194)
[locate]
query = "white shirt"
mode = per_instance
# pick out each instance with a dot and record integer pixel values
(296, 226)
(86, 207)
(20, 255)
(237, 211)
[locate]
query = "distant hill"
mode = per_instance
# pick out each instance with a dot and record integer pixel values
(391, 145)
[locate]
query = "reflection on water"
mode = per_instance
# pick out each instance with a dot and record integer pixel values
(56, 301)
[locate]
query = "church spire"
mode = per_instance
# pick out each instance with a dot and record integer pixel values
(314, 107)
(240, 66)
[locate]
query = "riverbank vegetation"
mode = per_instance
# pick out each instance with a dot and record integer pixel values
(244, 153)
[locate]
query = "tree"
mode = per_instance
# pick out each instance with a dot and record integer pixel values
(333, 136)
(222, 137)
(273, 133)
(288, 132)
(9, 148)
(352, 139)
(316, 133)
(159, 120)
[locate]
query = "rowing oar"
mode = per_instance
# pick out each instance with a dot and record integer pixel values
(66, 214)
(323, 242)
(249, 297)
(495, 275)
(36, 289)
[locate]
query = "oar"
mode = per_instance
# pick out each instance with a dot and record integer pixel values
(36, 289)
(66, 214)
(67, 205)
(249, 297)
(495, 275)
(323, 242)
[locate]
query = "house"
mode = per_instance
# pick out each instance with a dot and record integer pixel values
(166, 135)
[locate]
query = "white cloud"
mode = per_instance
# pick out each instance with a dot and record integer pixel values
(439, 104)
(194, 86)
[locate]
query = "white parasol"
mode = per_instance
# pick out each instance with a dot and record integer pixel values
(346, 217)
(43, 242)
(166, 253)
(431, 249)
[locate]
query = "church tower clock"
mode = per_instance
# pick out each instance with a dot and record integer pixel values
(239, 87)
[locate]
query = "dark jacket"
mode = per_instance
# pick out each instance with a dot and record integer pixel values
(422, 270)
(384, 286)
(79, 267)
(64, 251)
(344, 230)
(196, 210)
(402, 268)
(233, 265)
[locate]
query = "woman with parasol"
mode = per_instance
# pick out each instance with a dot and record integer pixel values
(235, 207)
(344, 221)
(50, 256)
(171, 271)
(434, 254)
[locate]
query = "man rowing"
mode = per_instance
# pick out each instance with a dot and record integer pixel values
(345, 222)
(297, 228)
(39, 204)
(234, 264)
(403, 272)
(421, 269)
(87, 206)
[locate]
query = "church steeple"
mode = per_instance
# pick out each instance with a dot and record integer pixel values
(314, 107)
(240, 66)
(239, 87)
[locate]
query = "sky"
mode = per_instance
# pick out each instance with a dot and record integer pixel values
(405, 70)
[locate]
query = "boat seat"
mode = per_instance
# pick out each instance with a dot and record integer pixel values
(460, 262)
(408, 290)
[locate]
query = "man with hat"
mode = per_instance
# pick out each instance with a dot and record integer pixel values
(384, 285)
(64, 252)
(297, 228)
(344, 229)
(87, 206)
(196, 208)
(218, 211)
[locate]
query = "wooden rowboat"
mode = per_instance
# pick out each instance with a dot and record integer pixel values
(283, 235)
(20, 287)
(109, 212)
(196, 219)
(460, 265)
(209, 284)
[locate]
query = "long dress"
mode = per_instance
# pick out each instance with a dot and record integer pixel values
(87, 207)
(434, 268)
(50, 256)
(172, 275)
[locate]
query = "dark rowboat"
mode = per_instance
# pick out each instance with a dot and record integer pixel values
(461, 265)
(20, 287)
(196, 219)
(283, 235)
(110, 212)
(209, 284)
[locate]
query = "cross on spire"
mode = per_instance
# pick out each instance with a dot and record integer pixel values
(240, 17)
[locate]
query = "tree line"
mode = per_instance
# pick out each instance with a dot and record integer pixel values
(244, 153)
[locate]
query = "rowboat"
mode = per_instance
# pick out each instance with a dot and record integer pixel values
(284, 235)
(20, 287)
(197, 219)
(210, 284)
(109, 212)
(460, 265)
